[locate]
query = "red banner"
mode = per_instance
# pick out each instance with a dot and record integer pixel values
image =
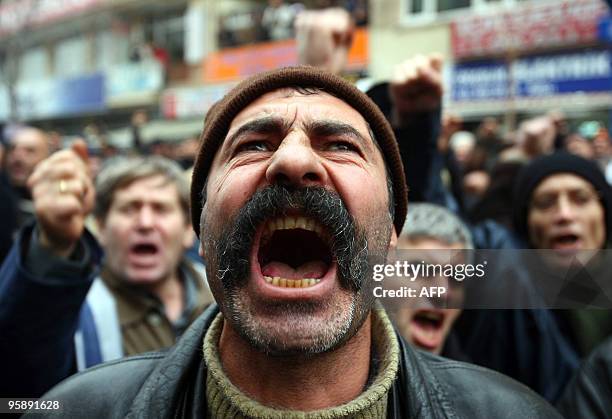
(527, 28)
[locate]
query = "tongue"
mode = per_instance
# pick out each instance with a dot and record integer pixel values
(313, 269)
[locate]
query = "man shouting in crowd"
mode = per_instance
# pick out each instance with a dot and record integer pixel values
(59, 313)
(296, 192)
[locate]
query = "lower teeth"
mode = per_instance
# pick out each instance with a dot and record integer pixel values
(291, 283)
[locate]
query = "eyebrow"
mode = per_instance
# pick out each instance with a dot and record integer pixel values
(585, 188)
(330, 128)
(266, 125)
(279, 126)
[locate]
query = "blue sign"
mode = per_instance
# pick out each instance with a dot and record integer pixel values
(537, 76)
(480, 81)
(551, 75)
(61, 97)
(81, 95)
(604, 29)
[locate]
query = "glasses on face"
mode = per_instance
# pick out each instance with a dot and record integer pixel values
(577, 198)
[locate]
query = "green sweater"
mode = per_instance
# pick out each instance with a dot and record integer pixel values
(225, 400)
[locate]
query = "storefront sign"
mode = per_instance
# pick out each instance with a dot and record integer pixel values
(60, 97)
(126, 79)
(480, 81)
(536, 76)
(604, 29)
(236, 63)
(179, 103)
(560, 74)
(527, 28)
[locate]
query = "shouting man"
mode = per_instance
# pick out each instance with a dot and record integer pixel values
(64, 309)
(296, 192)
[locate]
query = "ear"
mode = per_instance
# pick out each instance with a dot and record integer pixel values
(393, 239)
(201, 251)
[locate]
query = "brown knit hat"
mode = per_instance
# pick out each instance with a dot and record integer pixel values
(221, 115)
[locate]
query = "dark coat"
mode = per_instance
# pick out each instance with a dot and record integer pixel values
(172, 384)
(589, 395)
(38, 320)
(523, 343)
(8, 215)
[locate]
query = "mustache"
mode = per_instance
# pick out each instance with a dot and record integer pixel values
(349, 244)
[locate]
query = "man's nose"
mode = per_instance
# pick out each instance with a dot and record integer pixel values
(296, 163)
(145, 218)
(565, 210)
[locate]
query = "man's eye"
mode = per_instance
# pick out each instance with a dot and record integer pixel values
(544, 203)
(341, 146)
(583, 197)
(162, 209)
(254, 146)
(127, 209)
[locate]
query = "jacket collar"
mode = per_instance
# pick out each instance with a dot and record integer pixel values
(135, 303)
(176, 387)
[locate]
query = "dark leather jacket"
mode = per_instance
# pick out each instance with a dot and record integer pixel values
(172, 385)
(589, 395)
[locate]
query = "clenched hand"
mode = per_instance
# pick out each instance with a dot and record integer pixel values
(416, 86)
(63, 195)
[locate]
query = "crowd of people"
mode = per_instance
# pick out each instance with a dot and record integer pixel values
(300, 183)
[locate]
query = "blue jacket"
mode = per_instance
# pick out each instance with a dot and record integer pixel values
(57, 316)
(47, 332)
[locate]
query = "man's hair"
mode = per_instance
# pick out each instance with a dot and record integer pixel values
(119, 172)
(436, 222)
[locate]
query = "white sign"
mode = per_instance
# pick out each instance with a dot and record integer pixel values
(190, 102)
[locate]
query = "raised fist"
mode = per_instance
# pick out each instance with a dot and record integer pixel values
(324, 38)
(416, 86)
(63, 196)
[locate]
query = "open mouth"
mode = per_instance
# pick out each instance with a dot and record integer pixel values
(565, 241)
(426, 328)
(144, 253)
(144, 249)
(294, 252)
(429, 320)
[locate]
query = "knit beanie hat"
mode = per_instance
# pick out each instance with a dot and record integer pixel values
(533, 173)
(220, 116)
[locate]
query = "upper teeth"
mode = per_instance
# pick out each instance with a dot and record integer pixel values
(287, 223)
(291, 283)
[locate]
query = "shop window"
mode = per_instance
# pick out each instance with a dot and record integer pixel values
(445, 5)
(169, 35)
(416, 6)
(418, 10)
